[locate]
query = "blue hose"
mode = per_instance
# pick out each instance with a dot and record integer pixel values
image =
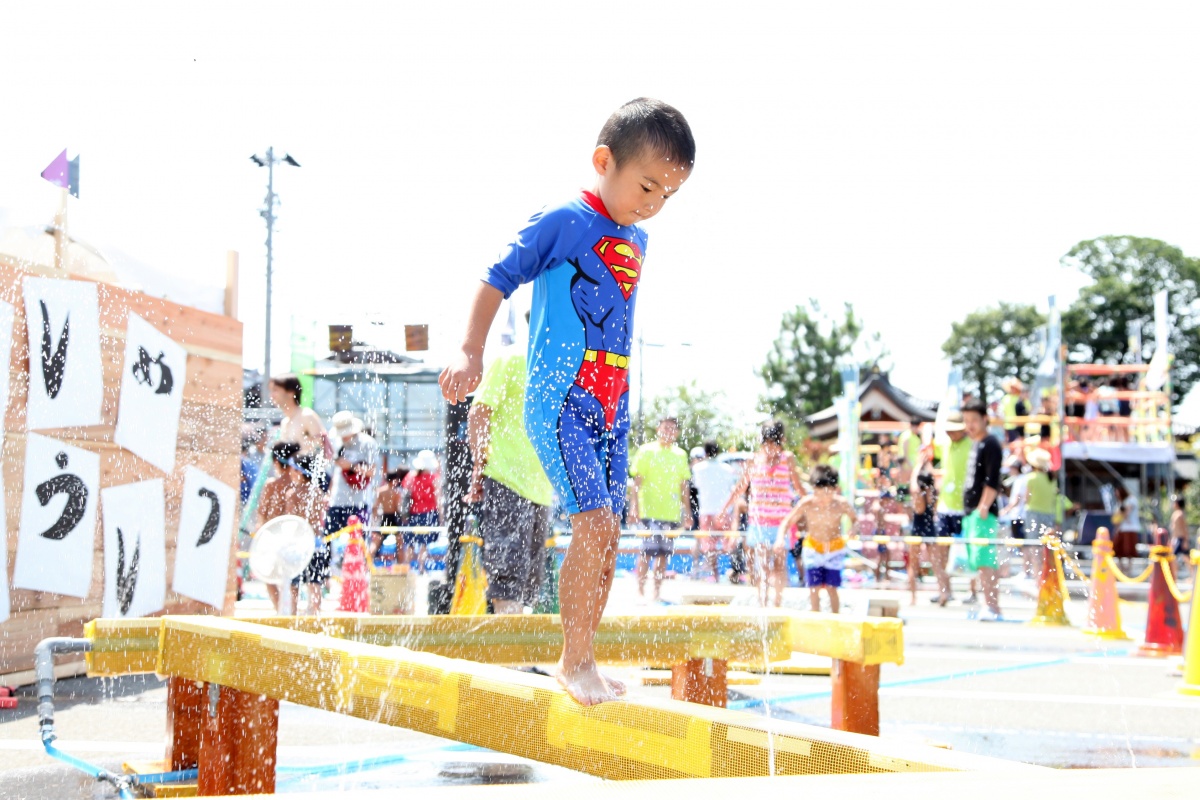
(77, 763)
(167, 777)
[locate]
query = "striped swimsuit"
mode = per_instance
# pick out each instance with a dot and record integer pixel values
(770, 500)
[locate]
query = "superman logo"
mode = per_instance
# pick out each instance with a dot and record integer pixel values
(623, 259)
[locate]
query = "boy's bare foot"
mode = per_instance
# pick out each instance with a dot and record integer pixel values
(585, 685)
(616, 685)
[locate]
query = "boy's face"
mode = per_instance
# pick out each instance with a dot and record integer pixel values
(635, 191)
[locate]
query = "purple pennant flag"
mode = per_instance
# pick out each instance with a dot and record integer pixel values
(63, 173)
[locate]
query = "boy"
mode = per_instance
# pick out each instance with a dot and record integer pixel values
(585, 259)
(824, 550)
(660, 498)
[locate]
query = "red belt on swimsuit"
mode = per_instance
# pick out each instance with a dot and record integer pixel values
(604, 376)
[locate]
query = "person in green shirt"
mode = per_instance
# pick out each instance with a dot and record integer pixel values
(510, 486)
(661, 499)
(953, 473)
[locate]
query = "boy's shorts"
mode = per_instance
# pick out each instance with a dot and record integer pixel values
(514, 539)
(422, 519)
(587, 464)
(822, 576)
(657, 544)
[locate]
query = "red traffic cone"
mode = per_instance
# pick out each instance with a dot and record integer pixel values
(355, 584)
(1104, 615)
(1164, 628)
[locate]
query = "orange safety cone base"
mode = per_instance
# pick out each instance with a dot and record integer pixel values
(1117, 635)
(1153, 650)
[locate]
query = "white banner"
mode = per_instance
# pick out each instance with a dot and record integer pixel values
(135, 551)
(151, 394)
(1160, 364)
(66, 384)
(202, 547)
(6, 339)
(57, 537)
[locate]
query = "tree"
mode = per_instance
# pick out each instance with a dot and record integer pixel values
(1127, 271)
(992, 344)
(699, 413)
(803, 369)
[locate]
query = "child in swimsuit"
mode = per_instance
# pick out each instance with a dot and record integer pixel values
(824, 546)
(773, 479)
(585, 259)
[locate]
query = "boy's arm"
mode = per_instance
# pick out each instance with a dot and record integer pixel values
(461, 375)
(479, 429)
(634, 510)
(791, 519)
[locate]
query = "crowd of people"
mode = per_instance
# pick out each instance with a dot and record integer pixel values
(328, 476)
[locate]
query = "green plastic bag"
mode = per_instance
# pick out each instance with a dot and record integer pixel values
(981, 555)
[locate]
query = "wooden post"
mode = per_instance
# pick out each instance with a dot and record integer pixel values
(231, 284)
(187, 705)
(856, 697)
(60, 233)
(238, 743)
(701, 680)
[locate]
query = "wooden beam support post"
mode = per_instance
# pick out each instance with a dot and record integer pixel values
(238, 743)
(701, 680)
(187, 705)
(855, 697)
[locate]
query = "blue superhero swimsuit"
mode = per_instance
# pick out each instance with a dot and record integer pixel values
(585, 269)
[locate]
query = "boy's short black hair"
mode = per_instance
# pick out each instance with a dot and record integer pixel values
(925, 480)
(976, 405)
(711, 449)
(824, 477)
(290, 384)
(773, 431)
(1179, 501)
(648, 126)
(283, 452)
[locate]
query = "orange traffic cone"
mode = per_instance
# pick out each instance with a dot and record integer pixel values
(1164, 628)
(355, 584)
(1191, 661)
(1050, 610)
(1104, 615)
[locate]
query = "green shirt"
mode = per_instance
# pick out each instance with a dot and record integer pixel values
(1043, 494)
(954, 474)
(511, 459)
(910, 446)
(663, 471)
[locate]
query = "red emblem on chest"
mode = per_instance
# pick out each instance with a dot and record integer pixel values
(623, 259)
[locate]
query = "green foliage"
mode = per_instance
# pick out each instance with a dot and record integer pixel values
(803, 369)
(700, 416)
(992, 344)
(1126, 272)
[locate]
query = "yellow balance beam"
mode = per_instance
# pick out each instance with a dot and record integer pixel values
(751, 638)
(523, 714)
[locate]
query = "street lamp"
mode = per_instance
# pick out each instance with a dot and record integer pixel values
(267, 212)
(642, 345)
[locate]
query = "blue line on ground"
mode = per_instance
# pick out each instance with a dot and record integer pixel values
(364, 764)
(742, 705)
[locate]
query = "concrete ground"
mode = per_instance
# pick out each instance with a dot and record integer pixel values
(1049, 696)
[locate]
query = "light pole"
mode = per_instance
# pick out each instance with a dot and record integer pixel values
(267, 212)
(642, 345)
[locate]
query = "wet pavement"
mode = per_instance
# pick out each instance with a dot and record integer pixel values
(1049, 696)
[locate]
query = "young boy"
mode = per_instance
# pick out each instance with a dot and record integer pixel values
(584, 258)
(824, 548)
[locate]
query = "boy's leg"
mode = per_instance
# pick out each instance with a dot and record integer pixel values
(814, 597)
(660, 572)
(834, 602)
(583, 589)
(643, 566)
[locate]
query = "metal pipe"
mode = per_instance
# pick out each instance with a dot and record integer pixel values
(43, 667)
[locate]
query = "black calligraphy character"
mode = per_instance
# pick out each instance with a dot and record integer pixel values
(141, 371)
(126, 581)
(54, 366)
(77, 495)
(214, 517)
(165, 381)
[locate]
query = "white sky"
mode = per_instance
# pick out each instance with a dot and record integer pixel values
(919, 160)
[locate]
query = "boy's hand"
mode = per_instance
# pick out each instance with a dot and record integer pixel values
(461, 376)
